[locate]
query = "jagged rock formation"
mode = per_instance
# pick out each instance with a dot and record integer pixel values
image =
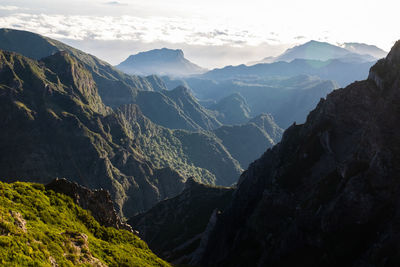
(55, 125)
(160, 61)
(328, 193)
(173, 228)
(97, 201)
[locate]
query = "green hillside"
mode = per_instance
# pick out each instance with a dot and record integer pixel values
(41, 228)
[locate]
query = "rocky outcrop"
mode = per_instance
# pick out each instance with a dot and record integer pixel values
(328, 194)
(97, 201)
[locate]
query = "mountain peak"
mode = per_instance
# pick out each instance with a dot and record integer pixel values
(386, 71)
(394, 54)
(162, 61)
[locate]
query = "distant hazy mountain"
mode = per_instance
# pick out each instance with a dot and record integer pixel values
(160, 61)
(247, 142)
(287, 99)
(314, 50)
(342, 71)
(232, 109)
(365, 49)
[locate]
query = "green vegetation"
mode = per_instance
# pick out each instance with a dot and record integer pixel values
(41, 228)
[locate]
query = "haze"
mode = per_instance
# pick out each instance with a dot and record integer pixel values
(211, 33)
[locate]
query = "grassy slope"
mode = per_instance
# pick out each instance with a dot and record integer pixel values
(56, 230)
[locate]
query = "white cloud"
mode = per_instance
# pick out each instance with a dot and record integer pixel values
(172, 30)
(9, 8)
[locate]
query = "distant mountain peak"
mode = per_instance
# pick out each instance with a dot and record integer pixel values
(323, 51)
(163, 61)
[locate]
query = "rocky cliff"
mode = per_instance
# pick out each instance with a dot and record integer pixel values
(97, 201)
(328, 194)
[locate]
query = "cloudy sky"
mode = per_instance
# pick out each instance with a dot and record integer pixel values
(212, 33)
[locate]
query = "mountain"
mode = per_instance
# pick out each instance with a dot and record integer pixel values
(328, 193)
(115, 87)
(55, 125)
(173, 228)
(42, 228)
(365, 49)
(232, 109)
(248, 142)
(160, 61)
(322, 51)
(340, 71)
(181, 150)
(175, 109)
(288, 99)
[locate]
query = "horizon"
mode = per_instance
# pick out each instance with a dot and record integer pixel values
(114, 30)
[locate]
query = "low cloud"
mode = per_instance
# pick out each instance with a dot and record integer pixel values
(8, 8)
(129, 28)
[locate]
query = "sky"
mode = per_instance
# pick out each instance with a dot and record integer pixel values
(212, 33)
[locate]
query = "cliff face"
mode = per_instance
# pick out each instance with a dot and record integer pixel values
(97, 201)
(328, 194)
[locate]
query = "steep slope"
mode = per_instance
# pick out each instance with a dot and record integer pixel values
(42, 228)
(160, 61)
(54, 125)
(232, 109)
(248, 142)
(268, 124)
(180, 150)
(328, 194)
(115, 88)
(174, 227)
(176, 109)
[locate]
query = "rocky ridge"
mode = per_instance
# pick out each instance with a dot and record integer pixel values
(327, 195)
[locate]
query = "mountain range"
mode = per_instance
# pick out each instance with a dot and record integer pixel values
(161, 62)
(66, 130)
(321, 193)
(322, 51)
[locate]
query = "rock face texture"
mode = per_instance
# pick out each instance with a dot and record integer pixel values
(328, 194)
(174, 227)
(97, 201)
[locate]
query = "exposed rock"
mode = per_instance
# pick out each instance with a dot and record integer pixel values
(78, 249)
(97, 201)
(18, 220)
(328, 194)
